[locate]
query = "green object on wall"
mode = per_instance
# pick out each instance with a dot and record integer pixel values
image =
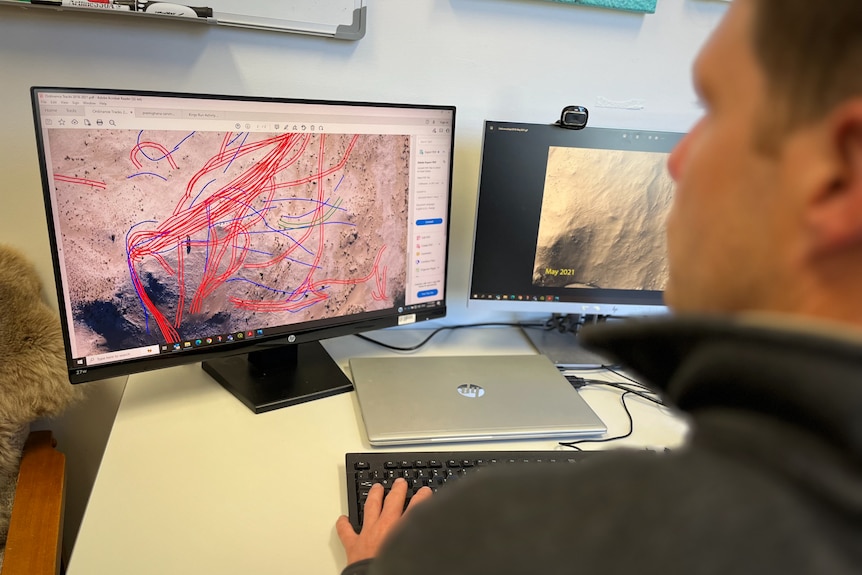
(628, 5)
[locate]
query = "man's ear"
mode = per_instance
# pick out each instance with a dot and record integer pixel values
(834, 212)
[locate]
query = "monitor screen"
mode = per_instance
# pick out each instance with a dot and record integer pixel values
(239, 231)
(571, 221)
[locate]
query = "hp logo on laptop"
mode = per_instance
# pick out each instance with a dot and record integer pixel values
(471, 390)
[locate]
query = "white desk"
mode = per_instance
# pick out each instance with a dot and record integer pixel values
(193, 482)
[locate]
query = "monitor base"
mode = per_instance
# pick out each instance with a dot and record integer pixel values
(563, 349)
(284, 376)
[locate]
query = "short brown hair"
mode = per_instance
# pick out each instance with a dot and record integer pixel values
(811, 54)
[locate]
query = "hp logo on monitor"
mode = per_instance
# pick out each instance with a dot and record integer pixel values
(471, 390)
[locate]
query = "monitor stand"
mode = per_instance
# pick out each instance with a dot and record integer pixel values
(563, 349)
(283, 376)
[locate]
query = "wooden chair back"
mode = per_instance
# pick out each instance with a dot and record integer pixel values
(34, 542)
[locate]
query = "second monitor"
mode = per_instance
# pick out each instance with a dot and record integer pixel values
(571, 222)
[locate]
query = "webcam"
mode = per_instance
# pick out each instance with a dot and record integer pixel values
(574, 117)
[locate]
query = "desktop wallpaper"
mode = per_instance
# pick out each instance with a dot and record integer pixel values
(603, 220)
(169, 235)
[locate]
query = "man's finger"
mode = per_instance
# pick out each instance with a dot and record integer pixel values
(373, 504)
(419, 497)
(345, 532)
(393, 505)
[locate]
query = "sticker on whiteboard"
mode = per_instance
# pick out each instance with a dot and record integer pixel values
(405, 319)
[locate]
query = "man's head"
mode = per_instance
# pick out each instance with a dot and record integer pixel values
(768, 210)
(812, 56)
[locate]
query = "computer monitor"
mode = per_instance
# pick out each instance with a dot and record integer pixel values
(571, 222)
(239, 231)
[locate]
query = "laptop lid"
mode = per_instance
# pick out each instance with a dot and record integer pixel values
(407, 400)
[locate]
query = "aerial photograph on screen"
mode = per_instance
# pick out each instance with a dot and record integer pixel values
(603, 220)
(168, 236)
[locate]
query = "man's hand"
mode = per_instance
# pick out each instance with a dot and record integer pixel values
(380, 517)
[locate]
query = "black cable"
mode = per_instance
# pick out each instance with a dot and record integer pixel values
(637, 392)
(641, 390)
(626, 391)
(439, 329)
(574, 444)
(621, 374)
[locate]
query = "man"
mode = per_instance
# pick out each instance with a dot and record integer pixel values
(764, 350)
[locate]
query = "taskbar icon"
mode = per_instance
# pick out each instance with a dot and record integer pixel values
(199, 342)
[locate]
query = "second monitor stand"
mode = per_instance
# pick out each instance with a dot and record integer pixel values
(558, 341)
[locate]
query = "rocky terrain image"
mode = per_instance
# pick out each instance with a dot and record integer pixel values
(603, 220)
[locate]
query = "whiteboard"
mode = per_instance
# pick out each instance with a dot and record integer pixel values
(343, 19)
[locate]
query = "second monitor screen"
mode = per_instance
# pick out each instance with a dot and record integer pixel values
(572, 217)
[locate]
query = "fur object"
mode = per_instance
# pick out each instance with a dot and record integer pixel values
(33, 380)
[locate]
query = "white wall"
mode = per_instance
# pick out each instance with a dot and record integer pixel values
(518, 60)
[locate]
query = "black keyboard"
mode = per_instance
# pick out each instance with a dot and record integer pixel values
(434, 469)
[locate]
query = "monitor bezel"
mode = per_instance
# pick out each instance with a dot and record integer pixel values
(586, 301)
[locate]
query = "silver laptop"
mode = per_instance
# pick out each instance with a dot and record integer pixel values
(408, 400)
